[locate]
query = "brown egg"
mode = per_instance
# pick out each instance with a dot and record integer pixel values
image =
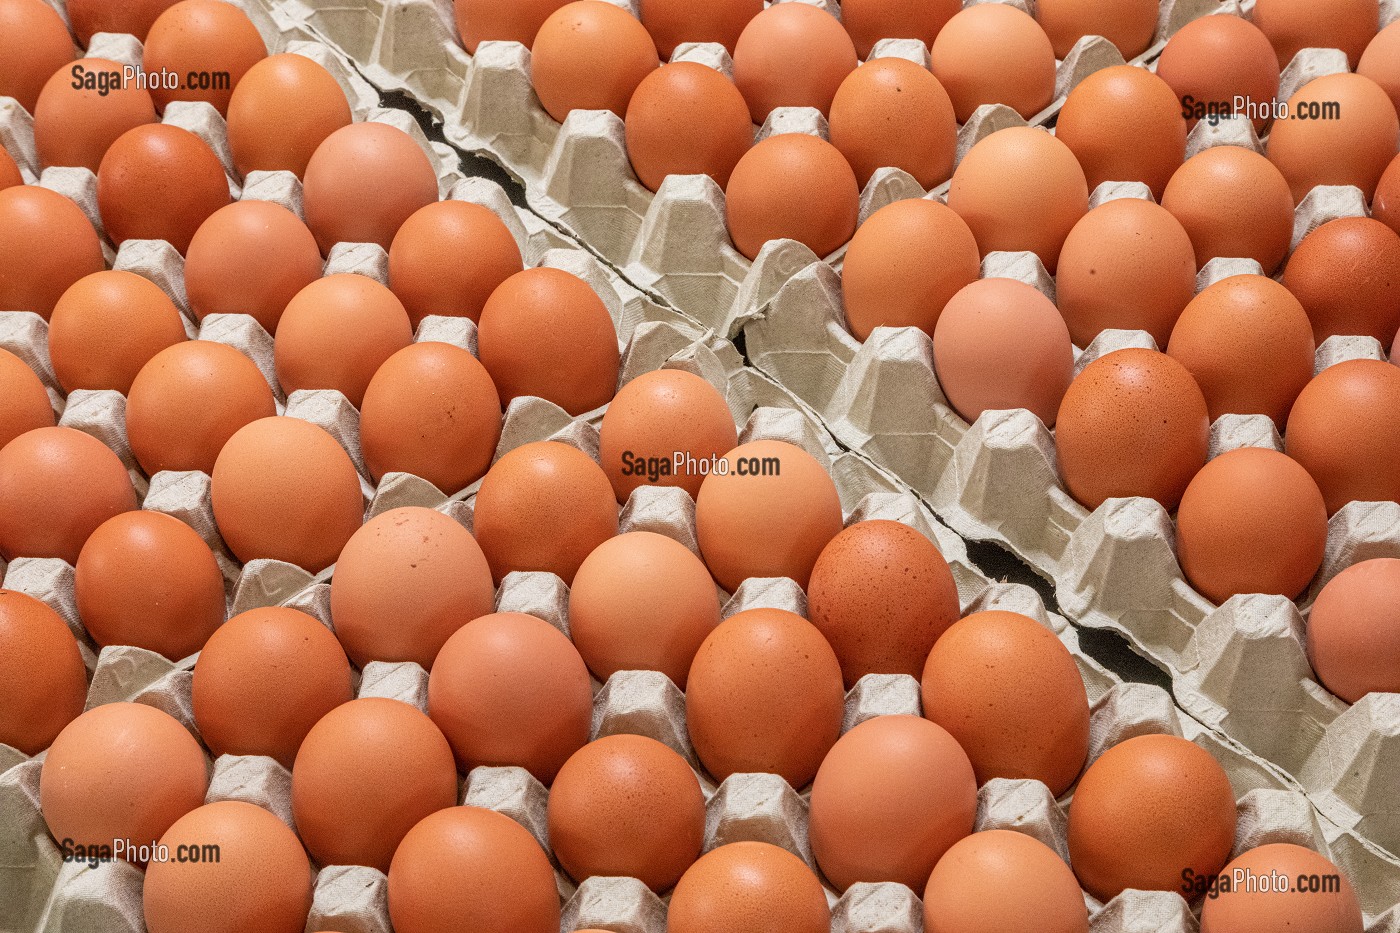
(546, 333)
(1240, 909)
(284, 489)
(892, 796)
(1133, 423)
(1129, 25)
(83, 109)
(675, 22)
(1381, 62)
(590, 55)
(9, 171)
(686, 119)
(999, 880)
(120, 771)
(891, 112)
(366, 773)
(1234, 203)
(261, 878)
(159, 182)
(448, 258)
(654, 417)
(1020, 189)
(1386, 206)
(251, 257)
(56, 486)
(131, 16)
(1344, 432)
(1247, 342)
(1354, 630)
(24, 404)
(431, 410)
(475, 869)
(46, 244)
(209, 45)
(36, 45)
(869, 21)
(404, 583)
(363, 182)
(1001, 344)
(994, 54)
(1349, 145)
(792, 55)
(627, 806)
(1128, 264)
(1005, 687)
(881, 594)
(481, 21)
(510, 690)
(543, 506)
(749, 887)
(764, 694)
(1346, 274)
(243, 701)
(768, 512)
(792, 186)
(1215, 59)
(107, 326)
(1148, 810)
(1294, 25)
(1124, 124)
(265, 136)
(43, 683)
(336, 333)
(904, 264)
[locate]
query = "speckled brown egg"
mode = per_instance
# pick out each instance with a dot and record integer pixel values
(481, 21)
(363, 182)
(764, 694)
(792, 186)
(675, 22)
(43, 683)
(994, 54)
(244, 704)
(1344, 432)
(1381, 62)
(627, 806)
(209, 45)
(24, 404)
(1346, 274)
(448, 258)
(1353, 630)
(83, 109)
(159, 182)
(132, 16)
(1129, 25)
(1240, 908)
(1124, 124)
(749, 887)
(264, 135)
(686, 119)
(792, 55)
(1386, 206)
(107, 326)
(431, 410)
(56, 486)
(1234, 203)
(1353, 146)
(36, 45)
(46, 244)
(893, 113)
(260, 880)
(590, 55)
(284, 489)
(509, 689)
(1215, 59)
(1294, 25)
(1002, 879)
(869, 21)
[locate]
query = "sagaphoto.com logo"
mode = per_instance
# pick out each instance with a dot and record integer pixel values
(105, 81)
(95, 855)
(1240, 107)
(1246, 881)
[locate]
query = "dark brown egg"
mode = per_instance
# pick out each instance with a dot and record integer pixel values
(869, 21)
(792, 186)
(209, 45)
(448, 258)
(36, 45)
(24, 403)
(749, 887)
(43, 683)
(792, 55)
(266, 136)
(1344, 432)
(159, 182)
(590, 55)
(686, 119)
(892, 113)
(108, 326)
(46, 244)
(83, 109)
(1124, 124)
(1346, 274)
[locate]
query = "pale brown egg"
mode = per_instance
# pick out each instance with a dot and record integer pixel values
(767, 512)
(43, 683)
(1215, 59)
(675, 22)
(481, 21)
(546, 333)
(263, 134)
(656, 417)
(209, 45)
(1346, 274)
(1234, 203)
(251, 257)
(107, 326)
(1000, 344)
(686, 119)
(1020, 189)
(9, 171)
(448, 258)
(892, 796)
(1005, 687)
(56, 486)
(336, 333)
(24, 404)
(1133, 423)
(431, 410)
(284, 489)
(1248, 343)
(869, 21)
(36, 45)
(890, 112)
(1381, 62)
(764, 694)
(1294, 25)
(404, 583)
(260, 878)
(509, 689)
(792, 55)
(1241, 909)
(904, 264)
(792, 186)
(543, 506)
(999, 880)
(474, 869)
(994, 53)
(159, 182)
(590, 55)
(46, 244)
(1129, 25)
(131, 16)
(1386, 206)
(244, 702)
(1344, 432)
(120, 771)
(749, 887)
(627, 806)
(1341, 130)
(1353, 630)
(1124, 124)
(83, 109)
(366, 773)
(363, 182)
(1128, 264)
